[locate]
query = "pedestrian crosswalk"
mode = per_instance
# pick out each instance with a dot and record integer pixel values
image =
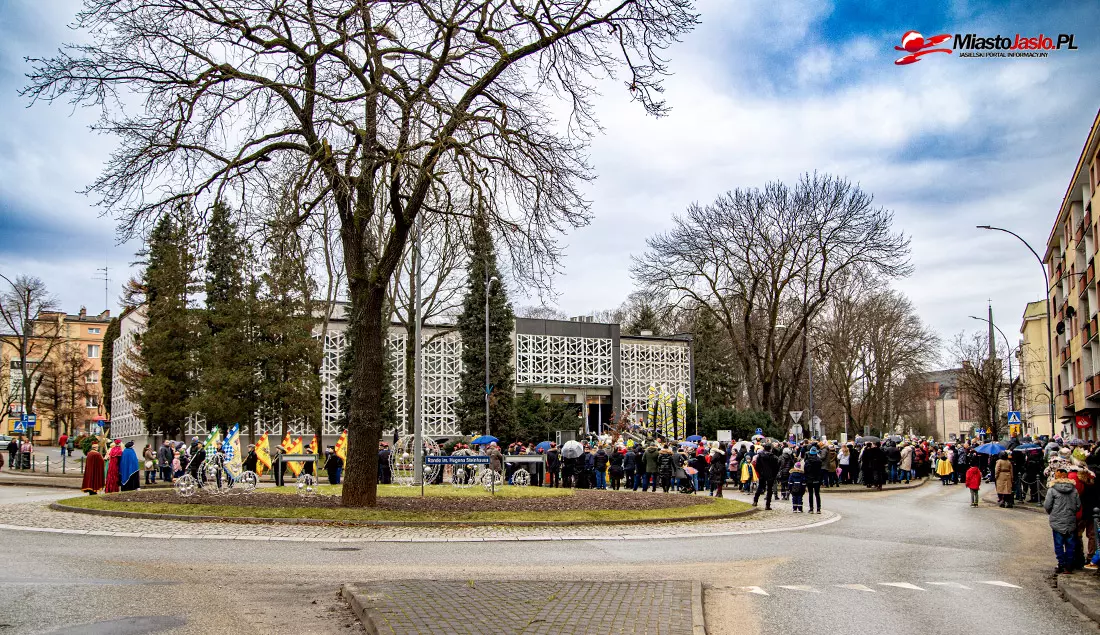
(876, 587)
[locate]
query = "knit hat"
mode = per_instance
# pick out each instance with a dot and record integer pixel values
(798, 465)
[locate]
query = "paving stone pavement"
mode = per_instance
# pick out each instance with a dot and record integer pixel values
(38, 517)
(422, 607)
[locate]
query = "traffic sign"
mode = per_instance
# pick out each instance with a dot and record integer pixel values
(19, 427)
(796, 415)
(1014, 416)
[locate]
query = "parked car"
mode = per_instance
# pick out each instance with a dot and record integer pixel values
(5, 439)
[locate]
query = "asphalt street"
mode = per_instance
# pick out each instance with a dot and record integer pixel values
(918, 561)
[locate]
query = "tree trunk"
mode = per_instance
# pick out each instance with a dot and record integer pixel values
(364, 416)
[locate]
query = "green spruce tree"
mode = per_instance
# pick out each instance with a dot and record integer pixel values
(167, 345)
(226, 353)
(470, 406)
(288, 354)
(715, 367)
(106, 378)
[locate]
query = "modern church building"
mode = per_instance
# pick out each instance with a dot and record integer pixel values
(575, 361)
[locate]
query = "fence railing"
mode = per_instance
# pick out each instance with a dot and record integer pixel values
(47, 465)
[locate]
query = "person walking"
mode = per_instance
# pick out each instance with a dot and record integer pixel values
(150, 459)
(767, 468)
(164, 460)
(553, 464)
(717, 470)
(13, 452)
(1003, 474)
(906, 464)
(651, 455)
(334, 466)
(599, 466)
(63, 443)
(1061, 505)
(813, 469)
(973, 483)
(666, 463)
(796, 484)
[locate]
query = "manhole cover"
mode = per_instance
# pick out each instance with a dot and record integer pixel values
(340, 549)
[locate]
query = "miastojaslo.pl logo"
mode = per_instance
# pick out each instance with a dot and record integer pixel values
(917, 46)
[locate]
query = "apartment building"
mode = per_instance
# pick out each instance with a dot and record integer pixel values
(1073, 294)
(68, 342)
(1034, 366)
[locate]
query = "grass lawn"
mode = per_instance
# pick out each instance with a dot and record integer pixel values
(713, 507)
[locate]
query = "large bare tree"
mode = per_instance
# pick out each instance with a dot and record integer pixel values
(32, 335)
(765, 261)
(386, 110)
(982, 379)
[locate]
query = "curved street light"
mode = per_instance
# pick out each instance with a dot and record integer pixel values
(1046, 304)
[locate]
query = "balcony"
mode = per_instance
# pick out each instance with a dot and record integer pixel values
(1090, 329)
(1090, 273)
(1092, 387)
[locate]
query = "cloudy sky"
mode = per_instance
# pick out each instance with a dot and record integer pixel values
(763, 90)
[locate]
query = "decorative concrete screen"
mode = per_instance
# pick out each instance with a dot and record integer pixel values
(656, 363)
(557, 360)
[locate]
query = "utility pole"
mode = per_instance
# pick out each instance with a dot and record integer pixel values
(488, 387)
(992, 362)
(418, 363)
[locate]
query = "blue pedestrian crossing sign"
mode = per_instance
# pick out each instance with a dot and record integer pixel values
(1014, 417)
(19, 427)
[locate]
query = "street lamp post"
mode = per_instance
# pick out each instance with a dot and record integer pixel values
(418, 365)
(1046, 304)
(489, 280)
(1011, 396)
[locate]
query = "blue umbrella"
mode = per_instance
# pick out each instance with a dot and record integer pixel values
(484, 439)
(694, 438)
(544, 446)
(990, 448)
(1027, 446)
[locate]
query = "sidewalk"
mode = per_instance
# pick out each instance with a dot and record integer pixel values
(1082, 590)
(414, 607)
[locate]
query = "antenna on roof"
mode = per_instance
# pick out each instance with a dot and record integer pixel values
(102, 274)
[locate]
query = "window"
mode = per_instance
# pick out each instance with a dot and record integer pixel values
(92, 377)
(93, 351)
(91, 401)
(94, 330)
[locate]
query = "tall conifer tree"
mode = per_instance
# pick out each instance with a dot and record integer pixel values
(226, 352)
(167, 346)
(471, 324)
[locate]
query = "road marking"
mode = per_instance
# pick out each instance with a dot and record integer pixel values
(754, 589)
(998, 583)
(855, 587)
(902, 585)
(953, 585)
(800, 587)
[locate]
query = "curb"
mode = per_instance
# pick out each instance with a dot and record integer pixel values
(627, 538)
(75, 486)
(1071, 594)
(698, 619)
(991, 500)
(366, 616)
(868, 490)
(252, 520)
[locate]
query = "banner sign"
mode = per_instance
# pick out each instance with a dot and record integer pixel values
(435, 459)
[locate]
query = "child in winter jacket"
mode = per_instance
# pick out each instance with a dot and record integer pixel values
(973, 483)
(1062, 504)
(796, 485)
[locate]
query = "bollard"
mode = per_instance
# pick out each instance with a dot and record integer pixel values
(47, 464)
(62, 463)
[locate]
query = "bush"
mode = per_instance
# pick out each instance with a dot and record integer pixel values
(742, 423)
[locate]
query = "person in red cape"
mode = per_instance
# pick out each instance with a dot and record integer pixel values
(93, 472)
(114, 482)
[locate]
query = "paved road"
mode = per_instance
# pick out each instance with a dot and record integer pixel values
(990, 568)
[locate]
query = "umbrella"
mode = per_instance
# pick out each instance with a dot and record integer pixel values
(740, 444)
(896, 438)
(687, 444)
(544, 446)
(693, 438)
(1027, 446)
(1077, 442)
(484, 439)
(572, 449)
(990, 448)
(868, 439)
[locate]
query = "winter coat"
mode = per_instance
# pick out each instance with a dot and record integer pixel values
(1003, 471)
(813, 469)
(796, 482)
(767, 466)
(786, 462)
(600, 460)
(496, 460)
(829, 461)
(974, 478)
(718, 465)
(651, 454)
(665, 462)
(165, 456)
(553, 460)
(615, 462)
(906, 458)
(629, 461)
(1062, 503)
